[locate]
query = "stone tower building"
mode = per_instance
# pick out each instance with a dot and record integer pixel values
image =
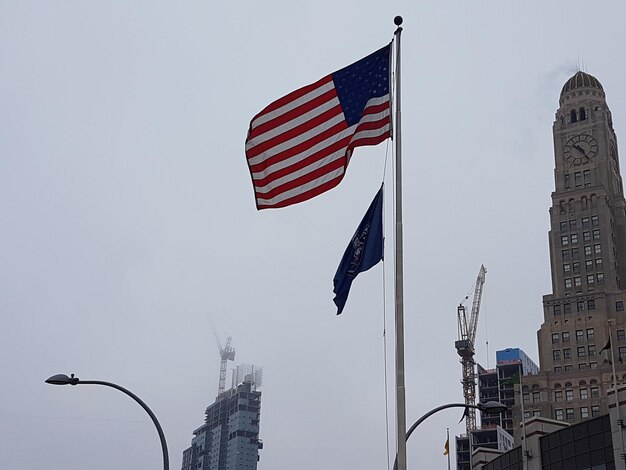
(587, 241)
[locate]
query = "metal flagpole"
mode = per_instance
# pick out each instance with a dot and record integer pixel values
(619, 411)
(399, 310)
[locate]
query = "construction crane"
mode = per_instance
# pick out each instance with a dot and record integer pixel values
(465, 348)
(227, 353)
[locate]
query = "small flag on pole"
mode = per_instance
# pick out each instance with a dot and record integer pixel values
(446, 447)
(364, 251)
(607, 346)
(299, 146)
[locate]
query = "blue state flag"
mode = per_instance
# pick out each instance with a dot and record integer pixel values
(364, 251)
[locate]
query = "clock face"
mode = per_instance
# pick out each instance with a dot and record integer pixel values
(580, 149)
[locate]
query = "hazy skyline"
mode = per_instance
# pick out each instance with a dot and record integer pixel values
(129, 231)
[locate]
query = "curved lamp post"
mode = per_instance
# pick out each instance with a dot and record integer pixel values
(490, 407)
(62, 379)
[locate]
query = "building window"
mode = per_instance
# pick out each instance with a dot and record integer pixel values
(574, 238)
(595, 221)
(582, 113)
(597, 248)
(569, 395)
(581, 351)
(567, 268)
(558, 395)
(622, 353)
(590, 333)
(621, 335)
(582, 366)
(558, 414)
(572, 118)
(565, 336)
(568, 368)
(556, 354)
(583, 394)
(586, 236)
(589, 264)
(558, 369)
(576, 266)
(619, 306)
(555, 338)
(526, 414)
(575, 253)
(596, 234)
(591, 304)
(600, 277)
(536, 397)
(584, 412)
(587, 177)
(590, 278)
(579, 335)
(595, 410)
(591, 350)
(577, 281)
(593, 365)
(564, 240)
(569, 414)
(587, 250)
(567, 309)
(563, 226)
(578, 179)
(565, 254)
(556, 309)
(594, 392)
(567, 353)
(526, 397)
(598, 262)
(536, 412)
(580, 306)
(568, 283)
(585, 222)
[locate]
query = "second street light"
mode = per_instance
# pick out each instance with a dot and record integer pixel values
(490, 407)
(62, 379)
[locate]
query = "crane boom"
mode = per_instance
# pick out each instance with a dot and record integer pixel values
(227, 353)
(465, 348)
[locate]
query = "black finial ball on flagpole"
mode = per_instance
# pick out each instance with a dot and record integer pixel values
(397, 20)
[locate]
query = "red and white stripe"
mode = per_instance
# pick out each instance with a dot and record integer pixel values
(299, 146)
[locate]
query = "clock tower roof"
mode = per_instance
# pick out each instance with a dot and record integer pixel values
(581, 80)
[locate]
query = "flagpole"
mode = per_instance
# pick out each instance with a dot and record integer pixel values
(399, 291)
(617, 407)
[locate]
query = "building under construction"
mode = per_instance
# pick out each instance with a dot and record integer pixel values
(229, 437)
(496, 431)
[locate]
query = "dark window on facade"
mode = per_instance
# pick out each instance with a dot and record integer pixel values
(563, 226)
(556, 354)
(585, 222)
(576, 266)
(578, 179)
(555, 338)
(581, 351)
(556, 309)
(580, 306)
(591, 350)
(565, 336)
(595, 221)
(619, 306)
(567, 353)
(583, 114)
(596, 234)
(574, 238)
(572, 224)
(579, 335)
(591, 304)
(567, 309)
(621, 335)
(572, 118)
(575, 253)
(590, 333)
(586, 236)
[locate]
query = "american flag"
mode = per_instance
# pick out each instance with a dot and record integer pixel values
(299, 146)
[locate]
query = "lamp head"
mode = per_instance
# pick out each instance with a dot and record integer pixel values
(493, 407)
(62, 379)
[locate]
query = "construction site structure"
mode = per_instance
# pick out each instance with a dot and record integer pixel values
(227, 353)
(465, 348)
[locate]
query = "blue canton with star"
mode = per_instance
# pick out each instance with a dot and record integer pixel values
(365, 79)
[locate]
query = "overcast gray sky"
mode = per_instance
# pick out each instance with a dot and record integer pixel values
(128, 227)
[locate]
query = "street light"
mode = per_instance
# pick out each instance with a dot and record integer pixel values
(490, 407)
(62, 379)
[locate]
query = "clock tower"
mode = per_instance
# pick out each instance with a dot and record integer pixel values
(587, 241)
